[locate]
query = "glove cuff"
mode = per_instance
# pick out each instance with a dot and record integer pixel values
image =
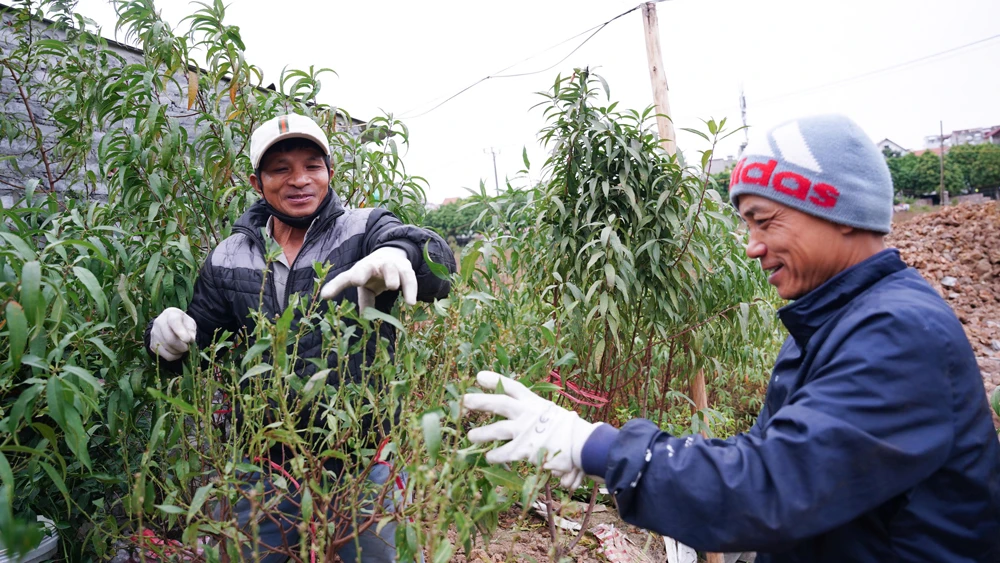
(581, 431)
(392, 251)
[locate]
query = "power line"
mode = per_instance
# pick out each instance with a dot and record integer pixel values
(596, 29)
(876, 72)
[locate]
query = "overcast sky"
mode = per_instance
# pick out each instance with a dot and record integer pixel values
(403, 57)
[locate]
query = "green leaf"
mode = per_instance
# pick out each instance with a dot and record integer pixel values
(306, 505)
(314, 385)
(199, 499)
(17, 333)
(444, 552)
(744, 317)
(76, 437)
(469, 260)
(543, 388)
(93, 286)
(502, 477)
(22, 248)
(126, 300)
(6, 474)
(257, 349)
(31, 292)
(547, 331)
(995, 401)
(438, 270)
(54, 401)
(112, 357)
(60, 484)
(84, 375)
(152, 268)
(482, 333)
(255, 371)
(178, 403)
(156, 434)
(696, 132)
(170, 509)
(568, 359)
(372, 314)
(430, 423)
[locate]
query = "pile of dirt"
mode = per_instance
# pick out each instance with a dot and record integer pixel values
(957, 249)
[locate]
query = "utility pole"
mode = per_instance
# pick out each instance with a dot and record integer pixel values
(658, 78)
(743, 114)
(943, 195)
(496, 178)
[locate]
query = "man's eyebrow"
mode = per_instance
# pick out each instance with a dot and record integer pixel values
(751, 211)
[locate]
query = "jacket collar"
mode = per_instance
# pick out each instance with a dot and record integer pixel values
(806, 315)
(256, 217)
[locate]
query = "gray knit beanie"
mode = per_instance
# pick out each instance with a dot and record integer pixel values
(824, 166)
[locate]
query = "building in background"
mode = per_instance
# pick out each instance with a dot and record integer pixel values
(717, 165)
(976, 136)
(888, 147)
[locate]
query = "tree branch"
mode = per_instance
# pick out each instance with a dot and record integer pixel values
(34, 123)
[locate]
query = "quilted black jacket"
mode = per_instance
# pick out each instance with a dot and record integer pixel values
(236, 280)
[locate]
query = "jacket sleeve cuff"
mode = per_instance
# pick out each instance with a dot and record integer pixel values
(413, 252)
(594, 457)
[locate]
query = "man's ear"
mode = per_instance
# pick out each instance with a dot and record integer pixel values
(255, 183)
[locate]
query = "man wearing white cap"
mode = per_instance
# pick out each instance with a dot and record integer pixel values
(375, 258)
(875, 442)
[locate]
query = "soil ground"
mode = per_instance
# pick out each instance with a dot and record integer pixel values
(528, 539)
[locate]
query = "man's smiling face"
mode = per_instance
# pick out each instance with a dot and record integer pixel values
(798, 251)
(294, 182)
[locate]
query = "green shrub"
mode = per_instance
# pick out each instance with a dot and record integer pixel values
(618, 271)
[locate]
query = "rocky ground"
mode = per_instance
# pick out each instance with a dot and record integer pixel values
(958, 250)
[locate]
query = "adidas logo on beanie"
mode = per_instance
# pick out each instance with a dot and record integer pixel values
(824, 166)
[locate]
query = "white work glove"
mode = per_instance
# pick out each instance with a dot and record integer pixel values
(535, 426)
(387, 268)
(172, 332)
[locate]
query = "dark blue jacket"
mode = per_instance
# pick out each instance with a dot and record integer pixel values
(874, 444)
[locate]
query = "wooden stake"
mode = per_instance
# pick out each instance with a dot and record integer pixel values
(943, 195)
(699, 394)
(658, 78)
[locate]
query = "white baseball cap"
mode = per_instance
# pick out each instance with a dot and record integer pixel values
(289, 126)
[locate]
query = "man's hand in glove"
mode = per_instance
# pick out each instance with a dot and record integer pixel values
(173, 331)
(387, 268)
(537, 428)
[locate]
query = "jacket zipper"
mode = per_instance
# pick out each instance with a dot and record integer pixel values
(258, 239)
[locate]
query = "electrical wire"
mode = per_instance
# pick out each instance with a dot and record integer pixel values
(869, 74)
(498, 74)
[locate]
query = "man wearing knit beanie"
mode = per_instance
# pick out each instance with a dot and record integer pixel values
(874, 443)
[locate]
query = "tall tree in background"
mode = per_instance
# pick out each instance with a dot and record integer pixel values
(977, 165)
(917, 176)
(454, 219)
